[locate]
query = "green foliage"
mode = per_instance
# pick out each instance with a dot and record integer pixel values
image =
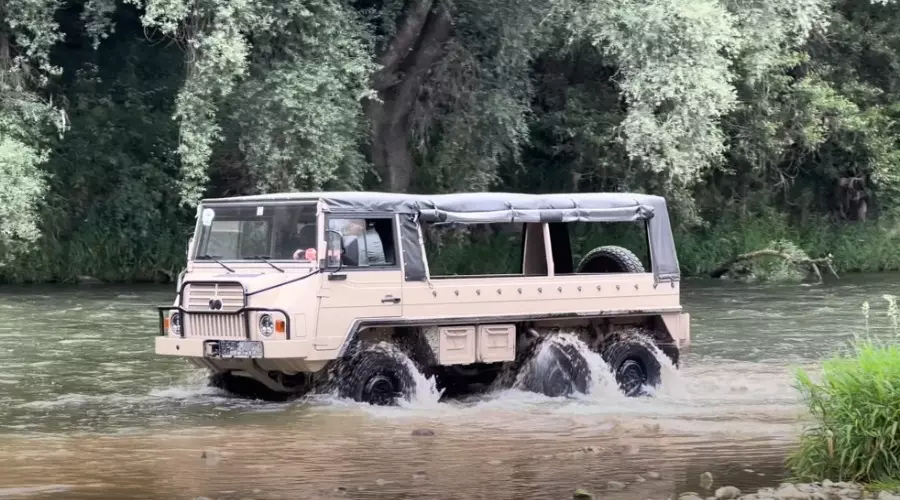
(32, 24)
(676, 59)
(291, 75)
(299, 118)
(675, 78)
(751, 117)
(855, 406)
(110, 201)
(23, 186)
(477, 119)
(28, 31)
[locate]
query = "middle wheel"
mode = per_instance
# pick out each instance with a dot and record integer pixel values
(555, 369)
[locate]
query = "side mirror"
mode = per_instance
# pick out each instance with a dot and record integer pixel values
(334, 243)
(190, 248)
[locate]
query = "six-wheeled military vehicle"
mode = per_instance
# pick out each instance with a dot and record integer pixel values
(287, 293)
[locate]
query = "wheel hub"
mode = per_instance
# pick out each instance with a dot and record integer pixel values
(631, 377)
(380, 390)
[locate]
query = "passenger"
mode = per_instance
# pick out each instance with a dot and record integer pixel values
(369, 245)
(374, 246)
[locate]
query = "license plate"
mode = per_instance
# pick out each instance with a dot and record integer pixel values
(235, 349)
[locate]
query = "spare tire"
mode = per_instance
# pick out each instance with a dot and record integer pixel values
(610, 259)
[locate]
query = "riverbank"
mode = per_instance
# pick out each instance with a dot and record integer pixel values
(824, 490)
(871, 246)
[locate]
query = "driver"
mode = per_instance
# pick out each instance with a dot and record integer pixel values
(303, 240)
(296, 237)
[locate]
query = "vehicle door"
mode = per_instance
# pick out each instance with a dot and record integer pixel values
(363, 279)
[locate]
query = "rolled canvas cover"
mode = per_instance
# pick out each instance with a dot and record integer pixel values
(488, 207)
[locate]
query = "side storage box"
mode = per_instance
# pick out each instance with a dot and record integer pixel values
(457, 345)
(496, 343)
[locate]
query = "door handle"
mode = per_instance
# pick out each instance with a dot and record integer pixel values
(391, 299)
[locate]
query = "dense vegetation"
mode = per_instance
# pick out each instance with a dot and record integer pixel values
(761, 120)
(855, 405)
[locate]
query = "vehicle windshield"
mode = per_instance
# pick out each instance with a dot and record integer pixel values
(257, 232)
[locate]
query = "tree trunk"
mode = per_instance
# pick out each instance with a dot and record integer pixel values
(4, 50)
(390, 150)
(418, 44)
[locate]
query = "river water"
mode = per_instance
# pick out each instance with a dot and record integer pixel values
(88, 411)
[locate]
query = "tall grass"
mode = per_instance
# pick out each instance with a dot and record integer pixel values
(856, 407)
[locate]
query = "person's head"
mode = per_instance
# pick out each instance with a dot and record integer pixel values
(356, 226)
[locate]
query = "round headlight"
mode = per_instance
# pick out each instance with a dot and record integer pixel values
(266, 325)
(175, 321)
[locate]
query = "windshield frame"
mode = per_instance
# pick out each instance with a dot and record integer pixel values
(201, 232)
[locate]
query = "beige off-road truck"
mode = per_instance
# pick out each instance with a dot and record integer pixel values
(284, 294)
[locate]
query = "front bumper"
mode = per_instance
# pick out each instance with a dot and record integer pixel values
(198, 348)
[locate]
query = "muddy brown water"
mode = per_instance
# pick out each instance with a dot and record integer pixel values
(88, 411)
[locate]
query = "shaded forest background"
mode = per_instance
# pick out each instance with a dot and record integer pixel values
(761, 120)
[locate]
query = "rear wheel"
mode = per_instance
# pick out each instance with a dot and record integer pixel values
(634, 366)
(555, 369)
(377, 377)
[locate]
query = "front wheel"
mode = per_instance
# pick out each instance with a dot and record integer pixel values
(634, 366)
(377, 377)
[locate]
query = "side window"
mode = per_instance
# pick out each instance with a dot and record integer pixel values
(366, 242)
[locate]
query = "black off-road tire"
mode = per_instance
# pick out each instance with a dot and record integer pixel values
(376, 377)
(610, 259)
(634, 366)
(563, 371)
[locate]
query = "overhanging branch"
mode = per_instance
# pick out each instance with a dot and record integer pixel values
(811, 264)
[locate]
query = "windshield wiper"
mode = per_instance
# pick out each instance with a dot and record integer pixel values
(207, 256)
(263, 258)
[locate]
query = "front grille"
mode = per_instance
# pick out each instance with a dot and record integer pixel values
(219, 323)
(215, 325)
(198, 295)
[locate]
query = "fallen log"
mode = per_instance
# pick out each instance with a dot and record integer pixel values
(812, 264)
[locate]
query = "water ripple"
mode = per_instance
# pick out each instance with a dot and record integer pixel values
(86, 407)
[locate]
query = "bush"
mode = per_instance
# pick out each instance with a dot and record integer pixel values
(856, 407)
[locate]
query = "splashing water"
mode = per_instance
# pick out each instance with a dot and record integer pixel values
(426, 392)
(424, 389)
(602, 380)
(602, 385)
(671, 383)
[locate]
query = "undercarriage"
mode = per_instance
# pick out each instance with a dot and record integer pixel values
(382, 366)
